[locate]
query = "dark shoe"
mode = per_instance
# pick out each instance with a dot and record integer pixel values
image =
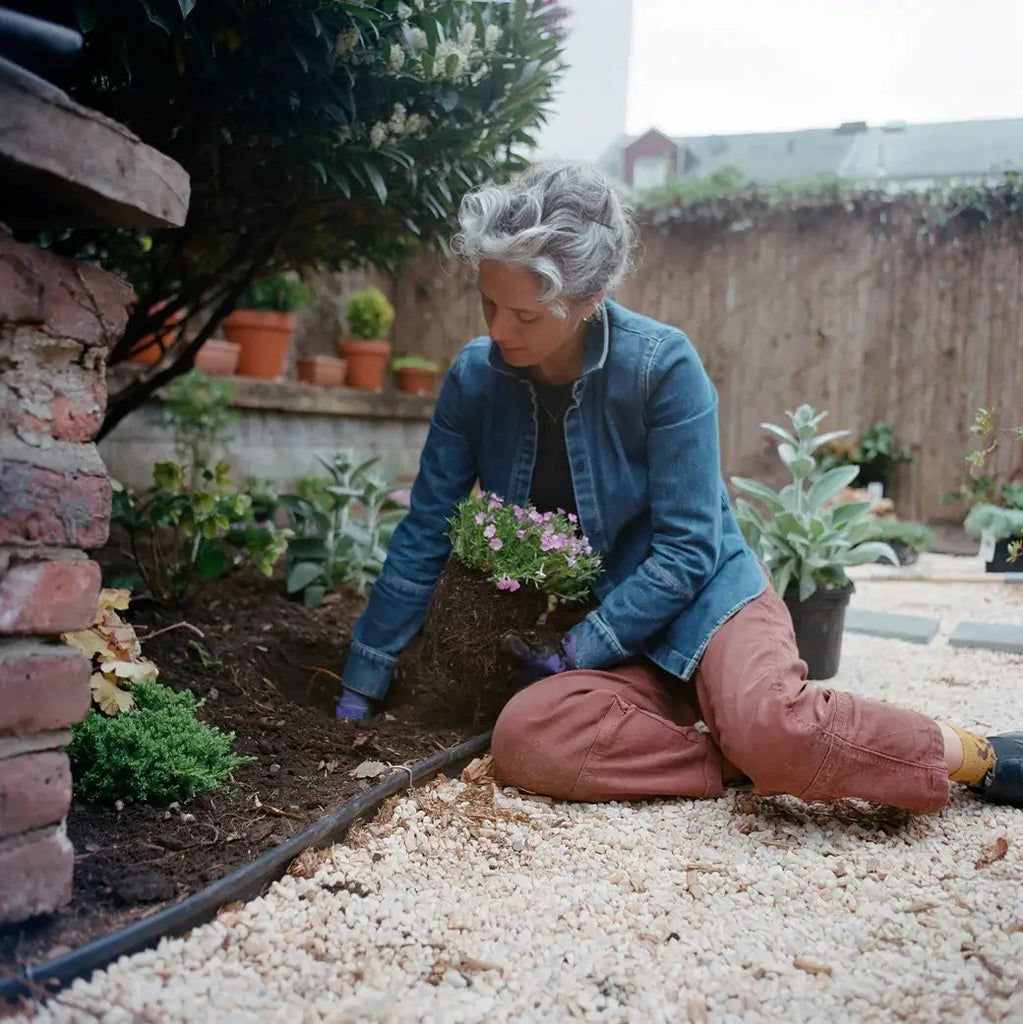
(1004, 783)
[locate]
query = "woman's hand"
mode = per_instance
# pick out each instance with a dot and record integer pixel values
(541, 661)
(353, 706)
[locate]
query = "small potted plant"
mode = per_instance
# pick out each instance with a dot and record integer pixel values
(369, 315)
(875, 453)
(907, 539)
(327, 371)
(509, 565)
(807, 543)
(1000, 529)
(264, 323)
(415, 375)
(218, 357)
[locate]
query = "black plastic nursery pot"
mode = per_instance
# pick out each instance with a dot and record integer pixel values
(819, 622)
(1000, 559)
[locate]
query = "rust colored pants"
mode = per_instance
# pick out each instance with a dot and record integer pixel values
(628, 733)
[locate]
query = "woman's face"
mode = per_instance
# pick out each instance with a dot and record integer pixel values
(526, 332)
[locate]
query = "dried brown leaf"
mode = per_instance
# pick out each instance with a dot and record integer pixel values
(811, 966)
(990, 852)
(112, 700)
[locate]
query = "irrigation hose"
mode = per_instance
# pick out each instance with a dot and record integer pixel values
(242, 884)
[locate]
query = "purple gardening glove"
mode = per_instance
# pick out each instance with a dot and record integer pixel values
(537, 664)
(353, 705)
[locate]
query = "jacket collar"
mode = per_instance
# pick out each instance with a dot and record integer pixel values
(598, 343)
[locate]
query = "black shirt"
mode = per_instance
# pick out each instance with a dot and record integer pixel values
(551, 486)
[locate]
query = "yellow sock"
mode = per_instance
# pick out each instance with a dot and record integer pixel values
(978, 757)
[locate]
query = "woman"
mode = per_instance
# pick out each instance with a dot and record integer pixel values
(575, 402)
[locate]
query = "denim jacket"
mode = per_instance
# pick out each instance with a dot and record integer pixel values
(642, 437)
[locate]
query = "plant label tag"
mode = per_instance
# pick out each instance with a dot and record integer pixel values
(987, 546)
(876, 490)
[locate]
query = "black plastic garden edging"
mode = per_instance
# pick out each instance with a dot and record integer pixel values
(242, 884)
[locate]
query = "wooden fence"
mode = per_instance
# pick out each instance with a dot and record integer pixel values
(861, 312)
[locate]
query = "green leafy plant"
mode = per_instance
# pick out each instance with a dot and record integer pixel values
(277, 293)
(182, 536)
(414, 363)
(913, 536)
(315, 134)
(804, 540)
(875, 453)
(197, 407)
(1001, 523)
(369, 314)
(987, 488)
(519, 546)
(158, 751)
(343, 524)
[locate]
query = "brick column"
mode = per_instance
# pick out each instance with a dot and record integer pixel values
(57, 319)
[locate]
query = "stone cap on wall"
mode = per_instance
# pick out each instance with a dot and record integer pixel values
(63, 164)
(288, 396)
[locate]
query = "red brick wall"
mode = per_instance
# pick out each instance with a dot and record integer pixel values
(56, 320)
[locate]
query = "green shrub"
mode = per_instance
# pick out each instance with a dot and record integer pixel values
(197, 408)
(913, 536)
(414, 363)
(875, 453)
(181, 536)
(1002, 523)
(369, 314)
(157, 752)
(277, 293)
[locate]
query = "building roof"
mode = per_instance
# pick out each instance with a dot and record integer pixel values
(853, 151)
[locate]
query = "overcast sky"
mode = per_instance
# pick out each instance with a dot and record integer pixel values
(701, 67)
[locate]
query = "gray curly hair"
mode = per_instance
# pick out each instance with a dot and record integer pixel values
(564, 222)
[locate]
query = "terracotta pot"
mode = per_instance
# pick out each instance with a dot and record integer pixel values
(367, 361)
(413, 380)
(151, 351)
(264, 338)
(218, 358)
(324, 370)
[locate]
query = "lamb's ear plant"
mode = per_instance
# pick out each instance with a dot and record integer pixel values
(343, 524)
(804, 538)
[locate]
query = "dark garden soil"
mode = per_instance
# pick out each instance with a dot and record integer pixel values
(267, 668)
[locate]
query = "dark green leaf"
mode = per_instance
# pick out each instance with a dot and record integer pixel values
(377, 181)
(210, 561)
(302, 574)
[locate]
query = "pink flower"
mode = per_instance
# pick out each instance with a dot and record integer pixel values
(547, 542)
(495, 502)
(572, 517)
(507, 583)
(496, 544)
(479, 517)
(519, 534)
(490, 531)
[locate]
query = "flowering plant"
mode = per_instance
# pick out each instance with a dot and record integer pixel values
(518, 547)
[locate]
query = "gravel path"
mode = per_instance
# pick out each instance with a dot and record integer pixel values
(462, 903)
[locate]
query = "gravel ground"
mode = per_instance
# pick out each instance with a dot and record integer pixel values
(464, 903)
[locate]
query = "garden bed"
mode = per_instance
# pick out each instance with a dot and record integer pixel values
(266, 668)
